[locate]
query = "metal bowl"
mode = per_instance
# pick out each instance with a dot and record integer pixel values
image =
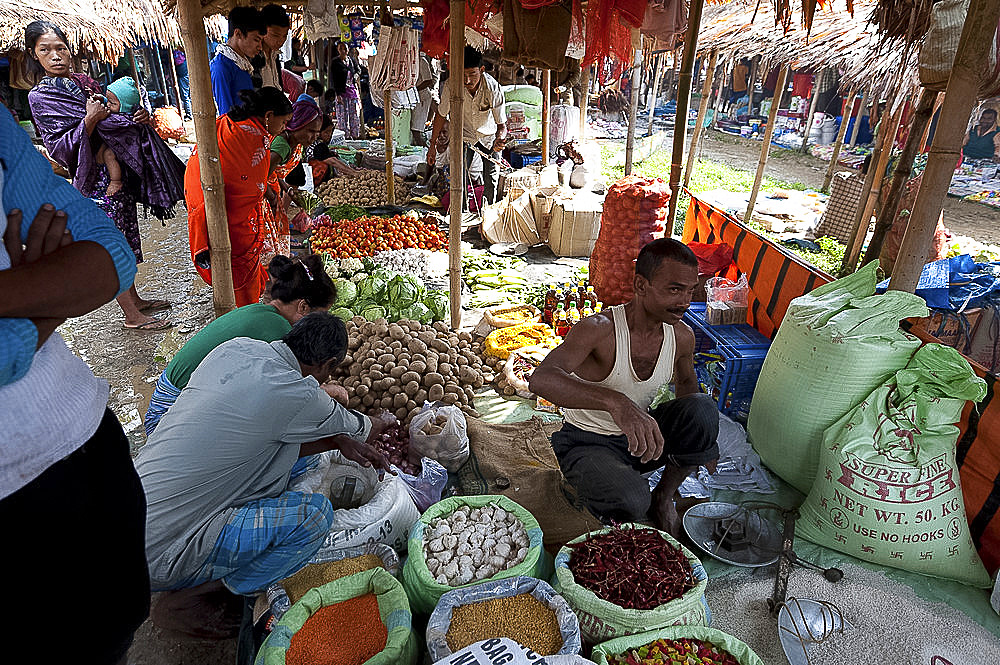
(763, 546)
(803, 622)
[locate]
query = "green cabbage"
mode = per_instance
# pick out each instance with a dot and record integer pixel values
(418, 311)
(343, 313)
(437, 303)
(347, 292)
(374, 312)
(372, 287)
(401, 292)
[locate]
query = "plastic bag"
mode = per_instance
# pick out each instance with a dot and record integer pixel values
(743, 654)
(450, 445)
(440, 621)
(427, 488)
(393, 608)
(727, 301)
(387, 518)
(505, 650)
(601, 619)
(278, 598)
(888, 488)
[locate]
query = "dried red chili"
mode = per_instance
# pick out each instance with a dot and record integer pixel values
(634, 568)
(345, 633)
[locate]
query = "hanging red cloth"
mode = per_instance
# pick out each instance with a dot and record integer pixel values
(608, 34)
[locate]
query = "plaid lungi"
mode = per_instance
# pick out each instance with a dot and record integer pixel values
(845, 197)
(164, 396)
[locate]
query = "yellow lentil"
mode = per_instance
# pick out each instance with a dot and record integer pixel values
(318, 574)
(523, 618)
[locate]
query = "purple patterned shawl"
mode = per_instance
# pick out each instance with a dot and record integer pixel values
(58, 106)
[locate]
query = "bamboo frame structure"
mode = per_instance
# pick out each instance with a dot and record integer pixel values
(960, 98)
(203, 108)
(812, 112)
(390, 181)
(865, 99)
(456, 65)
(584, 102)
(546, 109)
(706, 93)
(657, 77)
(683, 101)
(765, 150)
(839, 143)
(901, 174)
(633, 110)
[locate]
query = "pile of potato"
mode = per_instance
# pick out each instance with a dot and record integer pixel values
(397, 366)
(366, 189)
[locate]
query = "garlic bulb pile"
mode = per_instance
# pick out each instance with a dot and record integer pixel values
(473, 544)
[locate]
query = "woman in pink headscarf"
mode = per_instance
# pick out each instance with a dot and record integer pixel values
(286, 153)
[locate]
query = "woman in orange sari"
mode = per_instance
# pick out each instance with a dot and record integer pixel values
(245, 135)
(286, 154)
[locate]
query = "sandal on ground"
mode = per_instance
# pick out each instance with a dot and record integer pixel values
(155, 306)
(150, 326)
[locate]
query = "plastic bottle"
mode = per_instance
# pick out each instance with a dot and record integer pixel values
(591, 297)
(587, 311)
(550, 304)
(562, 323)
(573, 315)
(581, 288)
(598, 307)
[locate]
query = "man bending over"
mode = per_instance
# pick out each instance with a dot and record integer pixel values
(606, 374)
(216, 469)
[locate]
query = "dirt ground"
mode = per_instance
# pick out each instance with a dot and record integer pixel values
(131, 361)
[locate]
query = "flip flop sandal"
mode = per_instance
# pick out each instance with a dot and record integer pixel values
(150, 326)
(155, 306)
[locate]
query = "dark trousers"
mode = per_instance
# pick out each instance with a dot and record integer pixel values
(609, 479)
(491, 177)
(74, 554)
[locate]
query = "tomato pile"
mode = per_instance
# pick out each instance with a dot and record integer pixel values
(365, 236)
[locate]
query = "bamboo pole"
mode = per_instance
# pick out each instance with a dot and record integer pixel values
(765, 150)
(839, 143)
(752, 83)
(927, 130)
(584, 102)
(657, 79)
(390, 182)
(812, 112)
(870, 192)
(706, 92)
(960, 98)
(633, 111)
(683, 102)
(192, 26)
(456, 65)
(861, 114)
(718, 97)
(904, 168)
(546, 107)
(177, 82)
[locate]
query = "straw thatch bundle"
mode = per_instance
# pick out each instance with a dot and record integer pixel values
(78, 21)
(837, 39)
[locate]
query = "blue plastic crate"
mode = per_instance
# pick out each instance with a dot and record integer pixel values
(707, 337)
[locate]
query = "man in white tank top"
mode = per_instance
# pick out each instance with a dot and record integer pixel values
(606, 374)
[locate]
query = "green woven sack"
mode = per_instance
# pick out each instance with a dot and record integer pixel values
(420, 586)
(393, 607)
(738, 649)
(889, 490)
(601, 619)
(835, 345)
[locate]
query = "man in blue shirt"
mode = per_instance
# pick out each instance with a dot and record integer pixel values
(231, 69)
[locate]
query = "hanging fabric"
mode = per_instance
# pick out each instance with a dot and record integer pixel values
(537, 37)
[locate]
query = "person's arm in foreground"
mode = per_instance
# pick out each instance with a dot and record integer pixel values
(552, 380)
(685, 380)
(324, 424)
(435, 133)
(53, 277)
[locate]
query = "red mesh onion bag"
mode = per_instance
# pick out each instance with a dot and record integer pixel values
(635, 212)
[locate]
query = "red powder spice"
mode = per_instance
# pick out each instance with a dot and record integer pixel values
(346, 633)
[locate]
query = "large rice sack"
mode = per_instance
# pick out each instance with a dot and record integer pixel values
(835, 345)
(602, 620)
(424, 592)
(888, 489)
(387, 518)
(440, 622)
(393, 609)
(634, 214)
(738, 649)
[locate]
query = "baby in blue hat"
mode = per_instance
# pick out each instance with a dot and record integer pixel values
(123, 97)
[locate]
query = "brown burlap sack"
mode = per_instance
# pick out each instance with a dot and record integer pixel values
(517, 461)
(537, 37)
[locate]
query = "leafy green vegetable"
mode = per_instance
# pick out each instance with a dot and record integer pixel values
(343, 313)
(372, 287)
(401, 292)
(419, 312)
(374, 312)
(437, 303)
(347, 292)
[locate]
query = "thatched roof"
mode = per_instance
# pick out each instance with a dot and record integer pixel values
(837, 39)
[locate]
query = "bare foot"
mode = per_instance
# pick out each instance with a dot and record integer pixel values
(664, 514)
(114, 187)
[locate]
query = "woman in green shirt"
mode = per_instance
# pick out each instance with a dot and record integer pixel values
(298, 287)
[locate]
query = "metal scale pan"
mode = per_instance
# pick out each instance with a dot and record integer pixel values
(732, 534)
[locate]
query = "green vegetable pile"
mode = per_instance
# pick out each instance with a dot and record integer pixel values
(493, 279)
(338, 213)
(368, 290)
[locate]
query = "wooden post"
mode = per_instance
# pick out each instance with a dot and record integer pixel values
(390, 182)
(633, 110)
(683, 101)
(839, 143)
(192, 25)
(752, 83)
(861, 114)
(901, 174)
(706, 92)
(657, 78)
(960, 98)
(812, 112)
(765, 150)
(177, 82)
(869, 194)
(456, 65)
(718, 97)
(546, 107)
(584, 102)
